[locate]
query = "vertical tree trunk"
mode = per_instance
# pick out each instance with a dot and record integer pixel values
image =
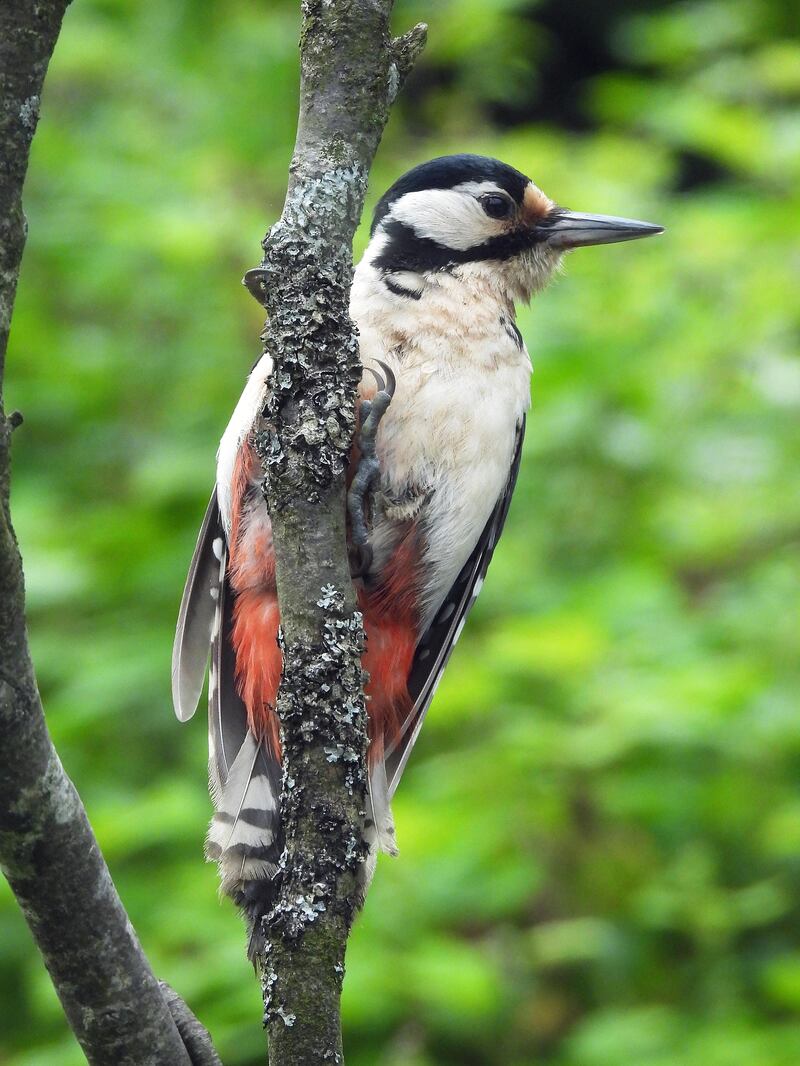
(351, 72)
(47, 849)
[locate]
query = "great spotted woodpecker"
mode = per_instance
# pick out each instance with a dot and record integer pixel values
(454, 244)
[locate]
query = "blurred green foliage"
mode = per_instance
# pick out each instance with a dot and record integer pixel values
(600, 828)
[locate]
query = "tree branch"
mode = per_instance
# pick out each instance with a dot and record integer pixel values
(47, 849)
(193, 1033)
(351, 72)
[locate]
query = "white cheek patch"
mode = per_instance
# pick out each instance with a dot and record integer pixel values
(451, 218)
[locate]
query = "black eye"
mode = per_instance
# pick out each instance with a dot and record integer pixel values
(496, 206)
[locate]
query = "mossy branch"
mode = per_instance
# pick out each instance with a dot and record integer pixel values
(351, 70)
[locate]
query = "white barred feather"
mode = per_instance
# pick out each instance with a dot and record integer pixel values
(245, 819)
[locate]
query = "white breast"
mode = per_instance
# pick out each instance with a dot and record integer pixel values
(463, 385)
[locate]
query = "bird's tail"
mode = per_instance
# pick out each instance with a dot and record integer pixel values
(245, 838)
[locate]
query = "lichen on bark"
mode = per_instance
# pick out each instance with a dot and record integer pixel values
(351, 70)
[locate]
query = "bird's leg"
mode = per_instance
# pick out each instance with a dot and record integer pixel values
(359, 496)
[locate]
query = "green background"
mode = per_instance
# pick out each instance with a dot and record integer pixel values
(600, 827)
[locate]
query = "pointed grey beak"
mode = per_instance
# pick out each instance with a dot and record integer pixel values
(571, 229)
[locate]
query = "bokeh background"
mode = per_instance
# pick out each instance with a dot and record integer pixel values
(600, 827)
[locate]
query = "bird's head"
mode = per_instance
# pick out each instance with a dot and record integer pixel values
(473, 213)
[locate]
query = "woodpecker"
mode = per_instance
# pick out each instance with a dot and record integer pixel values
(455, 244)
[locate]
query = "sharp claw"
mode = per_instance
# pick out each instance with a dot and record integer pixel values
(378, 379)
(391, 381)
(387, 385)
(254, 281)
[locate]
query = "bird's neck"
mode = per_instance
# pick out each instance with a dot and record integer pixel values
(491, 283)
(444, 321)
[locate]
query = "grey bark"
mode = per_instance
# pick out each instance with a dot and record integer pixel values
(195, 1036)
(47, 849)
(351, 71)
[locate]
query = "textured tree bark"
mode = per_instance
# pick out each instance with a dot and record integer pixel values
(47, 849)
(351, 70)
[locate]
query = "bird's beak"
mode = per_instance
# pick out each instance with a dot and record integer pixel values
(571, 229)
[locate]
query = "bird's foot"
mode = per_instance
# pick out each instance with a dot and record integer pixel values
(359, 497)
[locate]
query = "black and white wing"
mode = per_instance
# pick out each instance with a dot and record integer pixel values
(438, 641)
(197, 613)
(202, 643)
